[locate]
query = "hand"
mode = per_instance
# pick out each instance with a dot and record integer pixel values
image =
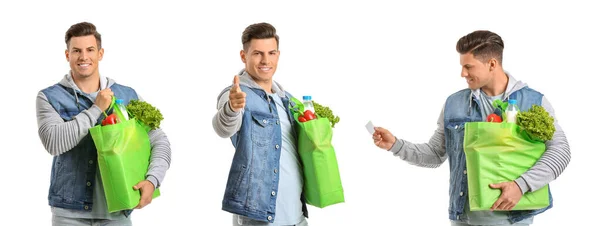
(104, 99)
(237, 98)
(383, 138)
(147, 189)
(511, 194)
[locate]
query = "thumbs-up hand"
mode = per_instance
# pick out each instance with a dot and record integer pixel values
(237, 98)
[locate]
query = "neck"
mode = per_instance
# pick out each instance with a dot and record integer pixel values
(87, 84)
(266, 85)
(497, 85)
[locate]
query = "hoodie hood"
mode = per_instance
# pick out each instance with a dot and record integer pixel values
(512, 86)
(246, 80)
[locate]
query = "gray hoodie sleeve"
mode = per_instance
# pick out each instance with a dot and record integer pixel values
(160, 155)
(226, 122)
(431, 154)
(552, 163)
(57, 135)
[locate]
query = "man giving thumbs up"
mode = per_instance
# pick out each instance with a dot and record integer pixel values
(264, 186)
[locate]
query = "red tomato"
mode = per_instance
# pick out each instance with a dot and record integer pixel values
(109, 120)
(302, 119)
(494, 118)
(309, 115)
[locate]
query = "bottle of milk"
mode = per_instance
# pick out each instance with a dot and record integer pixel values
(511, 111)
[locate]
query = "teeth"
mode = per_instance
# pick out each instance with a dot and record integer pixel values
(84, 65)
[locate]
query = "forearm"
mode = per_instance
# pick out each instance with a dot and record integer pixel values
(552, 163)
(431, 154)
(160, 158)
(59, 136)
(226, 122)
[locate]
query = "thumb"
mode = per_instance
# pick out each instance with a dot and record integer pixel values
(138, 185)
(499, 185)
(236, 83)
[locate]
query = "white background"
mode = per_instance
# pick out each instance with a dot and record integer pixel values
(391, 63)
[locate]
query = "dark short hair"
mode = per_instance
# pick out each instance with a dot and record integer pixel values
(259, 31)
(83, 29)
(484, 45)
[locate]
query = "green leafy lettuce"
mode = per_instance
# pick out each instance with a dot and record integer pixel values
(537, 123)
(323, 111)
(145, 112)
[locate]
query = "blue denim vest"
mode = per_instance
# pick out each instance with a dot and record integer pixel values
(73, 172)
(462, 107)
(253, 179)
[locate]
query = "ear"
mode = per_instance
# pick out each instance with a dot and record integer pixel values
(493, 64)
(101, 54)
(67, 54)
(243, 56)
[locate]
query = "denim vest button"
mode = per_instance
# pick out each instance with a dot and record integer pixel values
(269, 218)
(86, 207)
(277, 122)
(275, 170)
(89, 183)
(277, 146)
(91, 162)
(464, 171)
(461, 193)
(273, 193)
(264, 121)
(456, 127)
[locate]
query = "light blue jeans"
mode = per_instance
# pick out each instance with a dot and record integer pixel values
(65, 221)
(244, 221)
(456, 223)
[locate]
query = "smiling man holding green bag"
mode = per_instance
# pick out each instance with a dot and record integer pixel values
(481, 61)
(264, 186)
(65, 113)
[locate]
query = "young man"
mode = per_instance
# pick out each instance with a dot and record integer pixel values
(65, 113)
(265, 180)
(481, 60)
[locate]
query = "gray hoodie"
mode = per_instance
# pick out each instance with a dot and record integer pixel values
(59, 136)
(552, 163)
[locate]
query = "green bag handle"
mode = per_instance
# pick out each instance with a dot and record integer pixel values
(500, 104)
(112, 104)
(120, 115)
(299, 108)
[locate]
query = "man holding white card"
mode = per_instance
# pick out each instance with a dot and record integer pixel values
(481, 61)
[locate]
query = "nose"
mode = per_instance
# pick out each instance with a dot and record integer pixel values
(464, 73)
(84, 55)
(264, 59)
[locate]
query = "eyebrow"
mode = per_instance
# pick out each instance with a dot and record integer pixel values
(258, 51)
(89, 47)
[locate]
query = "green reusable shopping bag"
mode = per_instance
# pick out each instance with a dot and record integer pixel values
(123, 159)
(500, 152)
(322, 182)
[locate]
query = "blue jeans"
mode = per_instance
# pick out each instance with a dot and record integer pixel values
(65, 221)
(456, 223)
(244, 221)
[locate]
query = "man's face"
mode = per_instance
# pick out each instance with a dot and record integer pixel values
(83, 56)
(261, 59)
(477, 73)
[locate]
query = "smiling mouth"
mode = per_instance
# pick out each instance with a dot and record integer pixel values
(265, 69)
(85, 65)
